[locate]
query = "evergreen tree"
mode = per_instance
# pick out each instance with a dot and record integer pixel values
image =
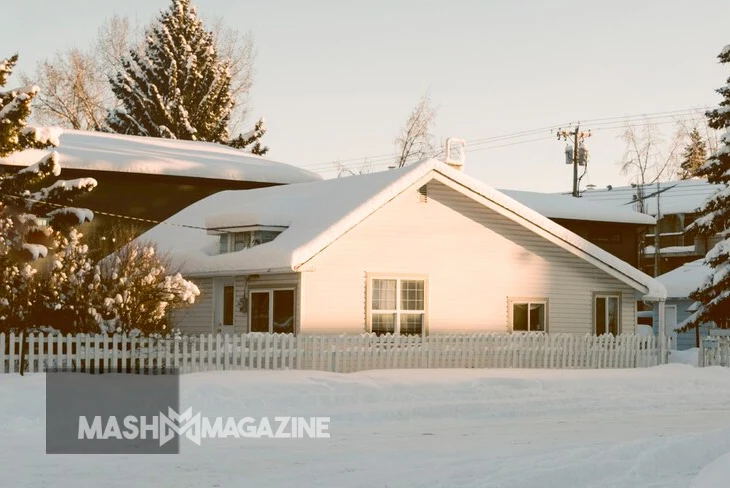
(695, 155)
(714, 294)
(175, 86)
(252, 138)
(30, 205)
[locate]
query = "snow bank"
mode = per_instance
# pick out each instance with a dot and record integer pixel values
(428, 428)
(688, 356)
(715, 474)
(99, 151)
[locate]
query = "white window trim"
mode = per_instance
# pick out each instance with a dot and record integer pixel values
(608, 294)
(398, 278)
(511, 301)
(271, 291)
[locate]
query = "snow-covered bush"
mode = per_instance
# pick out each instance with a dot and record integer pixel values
(138, 292)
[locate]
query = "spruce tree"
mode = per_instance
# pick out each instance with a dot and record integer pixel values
(714, 294)
(695, 155)
(30, 206)
(174, 85)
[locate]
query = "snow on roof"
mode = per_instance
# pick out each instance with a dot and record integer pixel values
(317, 213)
(556, 206)
(684, 280)
(100, 151)
(675, 197)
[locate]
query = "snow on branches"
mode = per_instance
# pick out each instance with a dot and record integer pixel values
(714, 294)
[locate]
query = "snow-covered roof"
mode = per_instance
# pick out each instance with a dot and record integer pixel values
(318, 213)
(557, 206)
(674, 197)
(100, 151)
(682, 281)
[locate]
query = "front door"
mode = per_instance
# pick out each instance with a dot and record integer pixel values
(225, 292)
(670, 321)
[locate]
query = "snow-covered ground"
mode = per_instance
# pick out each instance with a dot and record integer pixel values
(660, 427)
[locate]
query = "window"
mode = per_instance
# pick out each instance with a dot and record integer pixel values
(228, 305)
(237, 241)
(272, 311)
(398, 306)
(529, 315)
(607, 314)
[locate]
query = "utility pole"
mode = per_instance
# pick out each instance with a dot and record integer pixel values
(577, 136)
(657, 243)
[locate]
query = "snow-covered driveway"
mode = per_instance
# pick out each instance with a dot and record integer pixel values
(655, 427)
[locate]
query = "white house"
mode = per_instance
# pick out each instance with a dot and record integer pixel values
(424, 249)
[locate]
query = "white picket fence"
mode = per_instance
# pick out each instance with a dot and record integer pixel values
(715, 349)
(188, 354)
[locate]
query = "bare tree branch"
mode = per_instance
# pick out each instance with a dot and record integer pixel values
(416, 140)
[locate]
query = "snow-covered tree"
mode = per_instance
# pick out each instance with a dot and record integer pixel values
(30, 205)
(695, 155)
(139, 292)
(72, 290)
(714, 294)
(252, 139)
(175, 85)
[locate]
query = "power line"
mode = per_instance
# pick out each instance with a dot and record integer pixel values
(107, 214)
(605, 123)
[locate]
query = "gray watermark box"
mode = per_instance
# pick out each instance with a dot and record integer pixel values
(110, 413)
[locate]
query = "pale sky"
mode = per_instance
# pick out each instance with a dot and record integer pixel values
(336, 80)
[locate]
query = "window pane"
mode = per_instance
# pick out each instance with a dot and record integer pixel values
(537, 317)
(241, 241)
(613, 315)
(411, 324)
(411, 294)
(384, 294)
(383, 323)
(519, 316)
(260, 312)
(284, 311)
(223, 243)
(600, 315)
(227, 305)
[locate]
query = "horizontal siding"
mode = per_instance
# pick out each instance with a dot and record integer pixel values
(198, 317)
(475, 260)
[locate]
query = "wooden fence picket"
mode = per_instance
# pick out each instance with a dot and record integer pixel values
(345, 353)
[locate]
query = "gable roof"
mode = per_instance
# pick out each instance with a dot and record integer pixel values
(682, 281)
(567, 207)
(318, 213)
(674, 197)
(101, 151)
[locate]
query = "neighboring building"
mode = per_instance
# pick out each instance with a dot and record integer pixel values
(678, 204)
(679, 307)
(616, 230)
(152, 178)
(424, 249)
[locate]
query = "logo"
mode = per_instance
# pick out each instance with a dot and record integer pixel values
(197, 427)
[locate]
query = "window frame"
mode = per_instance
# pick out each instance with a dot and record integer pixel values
(270, 291)
(512, 301)
(398, 311)
(594, 309)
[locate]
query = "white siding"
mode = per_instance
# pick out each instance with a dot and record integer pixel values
(475, 260)
(197, 318)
